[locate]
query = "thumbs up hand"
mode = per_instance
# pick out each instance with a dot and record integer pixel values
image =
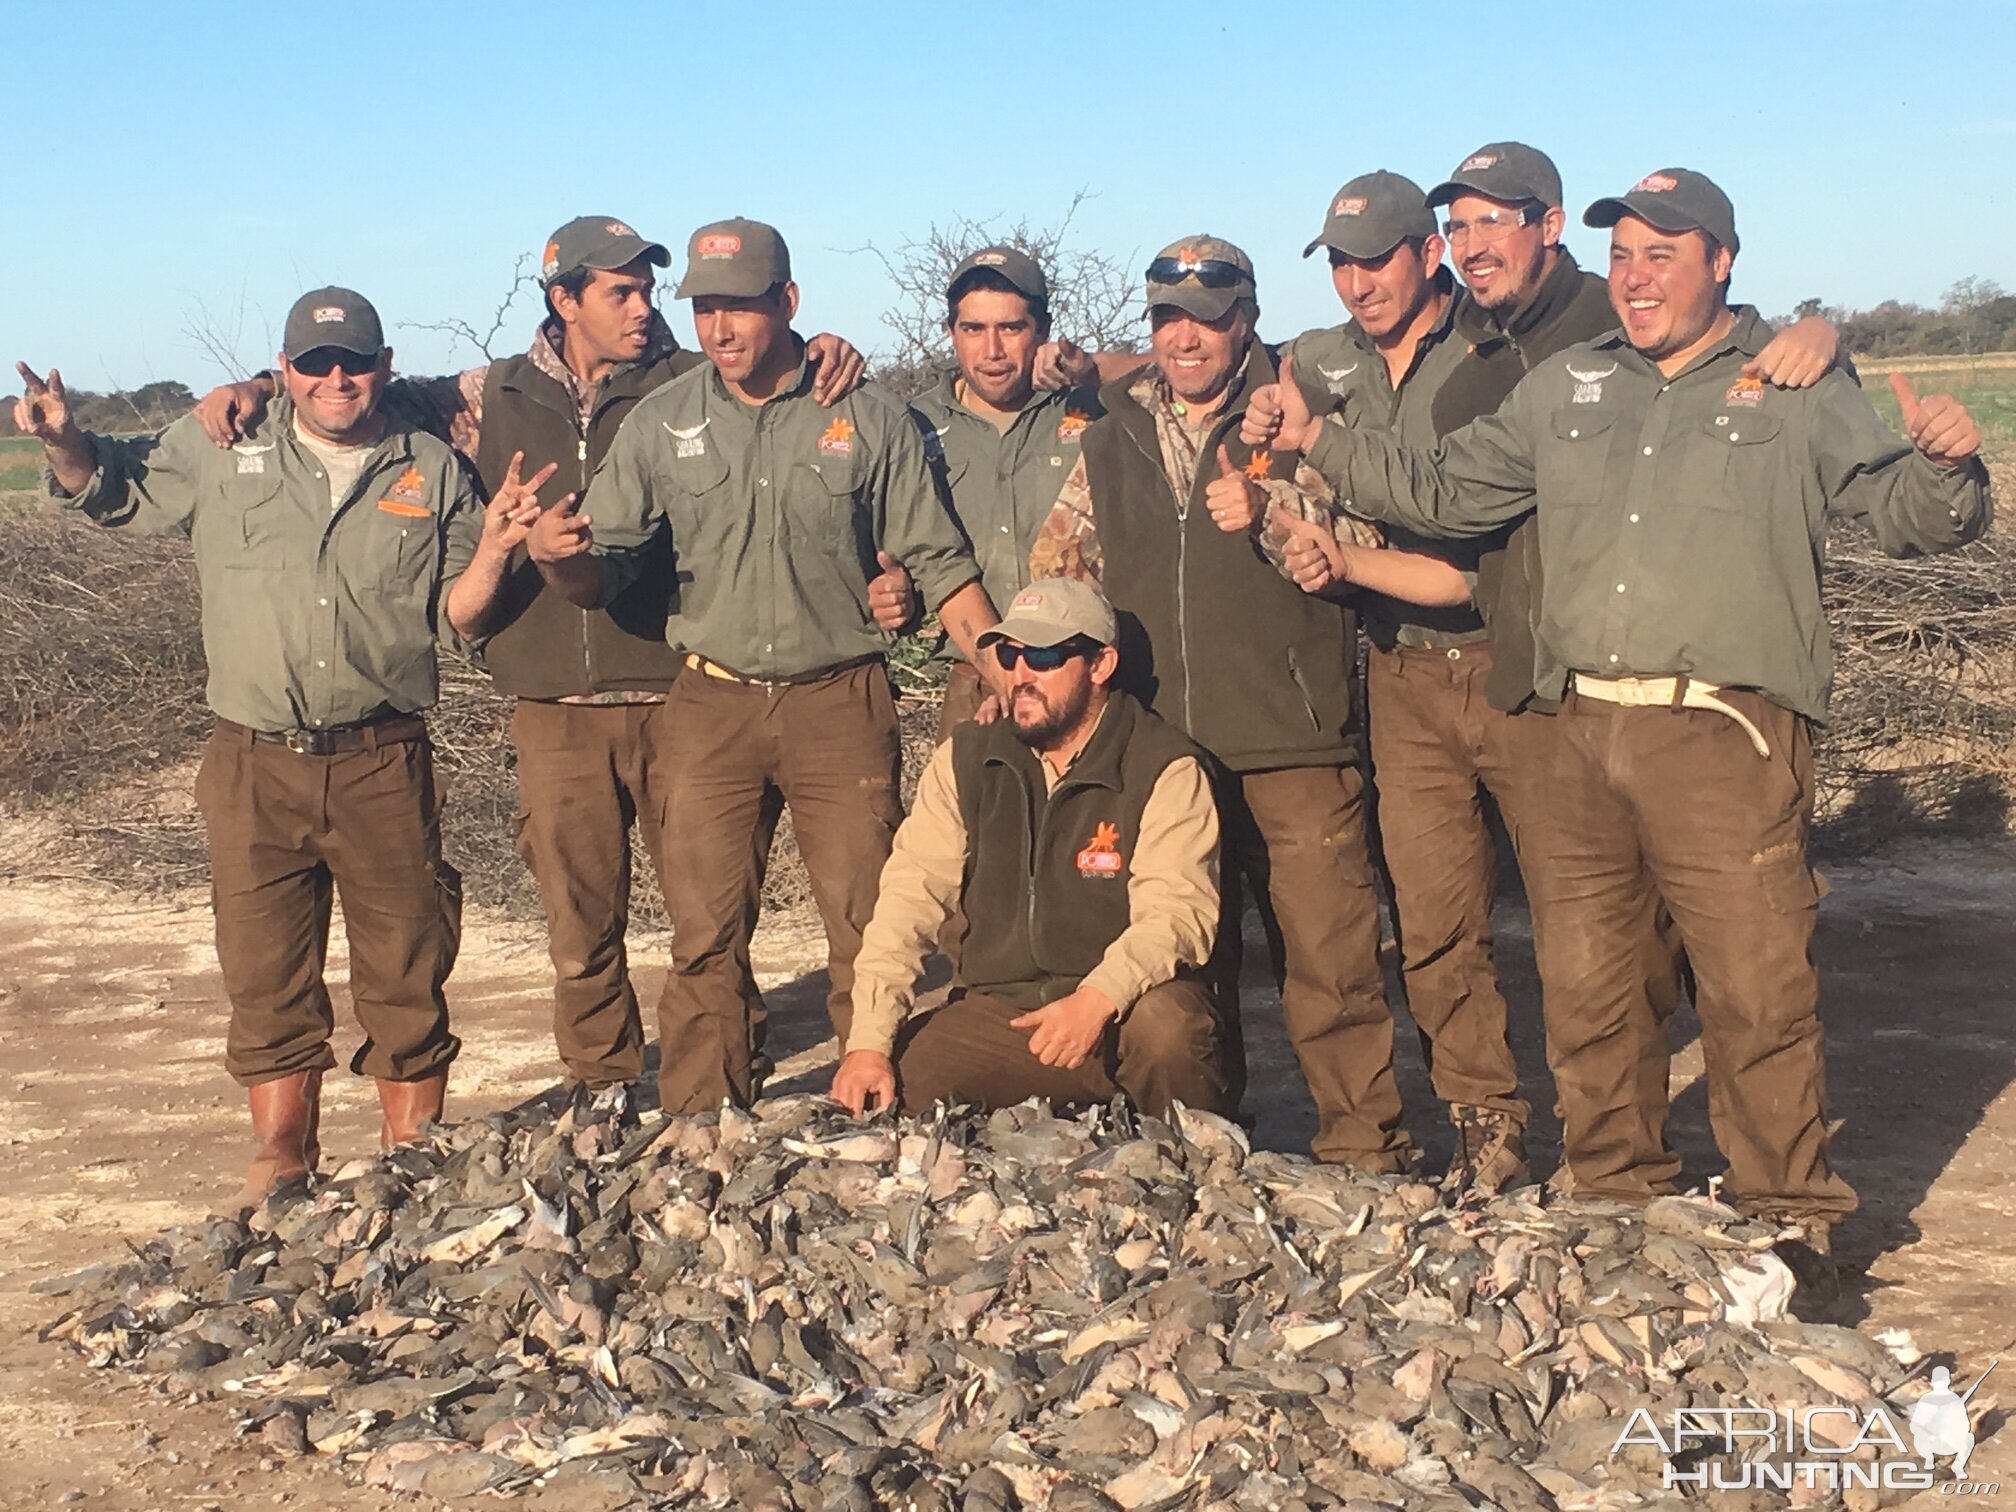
(892, 597)
(1938, 426)
(1236, 502)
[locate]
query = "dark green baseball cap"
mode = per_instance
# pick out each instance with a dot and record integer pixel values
(596, 241)
(1020, 269)
(333, 317)
(1673, 199)
(1176, 276)
(1373, 214)
(1509, 172)
(736, 258)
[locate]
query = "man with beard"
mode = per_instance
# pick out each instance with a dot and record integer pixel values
(778, 513)
(1002, 447)
(333, 548)
(1160, 512)
(1683, 510)
(588, 684)
(1074, 845)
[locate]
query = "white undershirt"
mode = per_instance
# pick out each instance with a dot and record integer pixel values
(342, 465)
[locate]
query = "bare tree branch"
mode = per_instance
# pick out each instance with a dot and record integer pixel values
(463, 330)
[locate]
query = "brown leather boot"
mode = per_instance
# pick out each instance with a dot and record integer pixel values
(286, 1115)
(407, 1105)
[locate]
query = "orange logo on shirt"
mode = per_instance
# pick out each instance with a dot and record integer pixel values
(838, 438)
(407, 495)
(1101, 856)
(1745, 391)
(1072, 426)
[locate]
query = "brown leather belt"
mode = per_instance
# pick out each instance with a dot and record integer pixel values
(366, 735)
(714, 669)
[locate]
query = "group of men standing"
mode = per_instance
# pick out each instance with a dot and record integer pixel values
(1592, 593)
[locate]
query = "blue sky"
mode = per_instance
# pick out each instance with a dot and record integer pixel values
(176, 166)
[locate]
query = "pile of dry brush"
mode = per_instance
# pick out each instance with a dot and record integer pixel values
(101, 683)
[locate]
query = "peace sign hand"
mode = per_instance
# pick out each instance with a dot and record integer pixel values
(513, 510)
(43, 411)
(1938, 426)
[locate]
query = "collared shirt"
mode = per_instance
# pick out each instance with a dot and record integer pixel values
(1003, 484)
(1172, 897)
(312, 618)
(776, 512)
(451, 406)
(1342, 373)
(1682, 520)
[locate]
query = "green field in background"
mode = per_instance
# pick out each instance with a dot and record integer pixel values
(1988, 392)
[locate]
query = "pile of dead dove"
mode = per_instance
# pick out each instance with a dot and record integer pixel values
(792, 1310)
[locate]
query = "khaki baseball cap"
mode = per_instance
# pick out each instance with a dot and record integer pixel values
(738, 258)
(1021, 270)
(1673, 199)
(1509, 172)
(1177, 273)
(596, 241)
(333, 317)
(1373, 214)
(1052, 610)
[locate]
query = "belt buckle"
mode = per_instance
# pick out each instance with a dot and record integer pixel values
(307, 742)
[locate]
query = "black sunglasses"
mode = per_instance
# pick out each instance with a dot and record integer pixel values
(322, 361)
(1212, 273)
(1043, 658)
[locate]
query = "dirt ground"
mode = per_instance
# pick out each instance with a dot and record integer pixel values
(116, 1120)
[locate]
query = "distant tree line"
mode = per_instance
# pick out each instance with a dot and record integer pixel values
(1975, 315)
(123, 411)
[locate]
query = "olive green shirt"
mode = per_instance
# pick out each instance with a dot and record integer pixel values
(1682, 521)
(313, 617)
(776, 512)
(1003, 484)
(1341, 373)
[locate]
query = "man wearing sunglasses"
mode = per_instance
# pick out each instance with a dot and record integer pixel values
(1002, 447)
(587, 683)
(332, 548)
(1072, 846)
(779, 514)
(1160, 512)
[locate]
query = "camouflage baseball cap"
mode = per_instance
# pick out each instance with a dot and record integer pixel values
(1373, 214)
(333, 317)
(1052, 610)
(596, 241)
(1673, 199)
(1200, 275)
(737, 258)
(1509, 172)
(1012, 263)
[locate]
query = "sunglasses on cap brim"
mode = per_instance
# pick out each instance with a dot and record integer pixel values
(322, 361)
(1212, 272)
(1044, 658)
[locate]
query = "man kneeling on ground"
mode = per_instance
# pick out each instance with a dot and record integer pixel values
(1077, 839)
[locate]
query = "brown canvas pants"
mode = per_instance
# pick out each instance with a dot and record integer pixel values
(734, 754)
(1651, 803)
(1296, 836)
(1437, 745)
(287, 832)
(1173, 1043)
(586, 773)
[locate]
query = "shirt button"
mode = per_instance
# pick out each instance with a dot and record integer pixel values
(763, 482)
(321, 664)
(1573, 433)
(1613, 659)
(1620, 587)
(1004, 530)
(324, 603)
(1634, 519)
(1734, 437)
(1648, 451)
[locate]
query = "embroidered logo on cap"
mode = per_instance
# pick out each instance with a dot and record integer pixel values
(1029, 598)
(617, 228)
(719, 246)
(990, 259)
(1656, 183)
(550, 262)
(326, 313)
(838, 438)
(1479, 163)
(1101, 856)
(1349, 205)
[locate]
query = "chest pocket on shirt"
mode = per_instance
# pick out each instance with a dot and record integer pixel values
(823, 495)
(1570, 471)
(1731, 463)
(403, 547)
(264, 534)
